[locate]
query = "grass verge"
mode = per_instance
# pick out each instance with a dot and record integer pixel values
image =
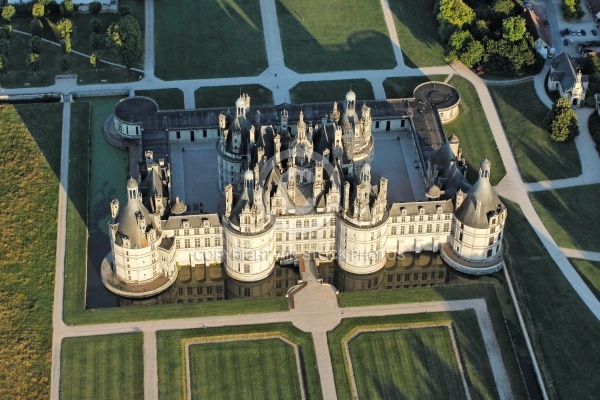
(210, 39)
(227, 370)
(570, 214)
(469, 342)
(102, 367)
(590, 273)
(225, 96)
(553, 312)
(417, 30)
(171, 346)
(336, 35)
(30, 137)
(313, 92)
(405, 362)
(522, 114)
(400, 87)
(167, 99)
(474, 132)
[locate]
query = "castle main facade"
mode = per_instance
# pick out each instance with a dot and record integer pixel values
(297, 180)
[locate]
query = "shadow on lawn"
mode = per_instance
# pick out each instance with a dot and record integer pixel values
(303, 53)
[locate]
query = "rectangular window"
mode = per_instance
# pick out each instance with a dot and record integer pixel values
(197, 242)
(446, 227)
(181, 291)
(209, 290)
(489, 253)
(313, 235)
(178, 135)
(394, 230)
(429, 228)
(218, 241)
(206, 242)
(246, 268)
(219, 289)
(420, 228)
(298, 224)
(441, 275)
(437, 227)
(390, 278)
(187, 243)
(402, 230)
(424, 275)
(199, 290)
(192, 136)
(376, 124)
(298, 235)
(411, 229)
(406, 277)
(186, 232)
(196, 231)
(278, 237)
(190, 291)
(203, 132)
(491, 241)
(177, 244)
(460, 236)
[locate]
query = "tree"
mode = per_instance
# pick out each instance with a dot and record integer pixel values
(592, 70)
(4, 47)
(472, 54)
(67, 8)
(126, 37)
(36, 44)
(562, 121)
(94, 60)
(65, 64)
(96, 40)
(65, 27)
(453, 15)
(513, 28)
(35, 27)
(33, 60)
(124, 10)
(95, 7)
(504, 7)
(3, 62)
(96, 25)
(8, 12)
(38, 10)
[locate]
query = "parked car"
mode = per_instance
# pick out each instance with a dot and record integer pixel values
(566, 42)
(583, 33)
(578, 32)
(562, 33)
(546, 23)
(571, 41)
(528, 5)
(594, 32)
(573, 32)
(567, 31)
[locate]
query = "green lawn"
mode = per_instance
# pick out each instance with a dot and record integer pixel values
(336, 35)
(470, 346)
(225, 96)
(30, 137)
(406, 363)
(313, 92)
(570, 214)
(102, 367)
(209, 39)
(473, 130)
(229, 370)
(167, 99)
(77, 210)
(539, 158)
(563, 330)
(400, 87)
(590, 273)
(171, 367)
(501, 313)
(417, 30)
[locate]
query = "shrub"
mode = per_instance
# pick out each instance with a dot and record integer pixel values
(562, 121)
(35, 27)
(36, 44)
(95, 7)
(4, 47)
(124, 10)
(64, 63)
(96, 40)
(96, 25)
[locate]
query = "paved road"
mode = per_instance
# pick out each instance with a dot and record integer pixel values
(308, 316)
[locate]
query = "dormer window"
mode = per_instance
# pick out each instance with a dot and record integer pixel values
(438, 209)
(403, 210)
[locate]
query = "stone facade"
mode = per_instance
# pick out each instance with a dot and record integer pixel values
(294, 187)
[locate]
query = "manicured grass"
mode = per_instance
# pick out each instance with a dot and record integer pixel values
(405, 363)
(473, 130)
(167, 99)
(563, 330)
(417, 30)
(400, 87)
(336, 35)
(102, 367)
(228, 370)
(77, 210)
(313, 92)
(225, 96)
(171, 360)
(501, 313)
(209, 39)
(30, 137)
(590, 273)
(469, 342)
(539, 158)
(570, 214)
